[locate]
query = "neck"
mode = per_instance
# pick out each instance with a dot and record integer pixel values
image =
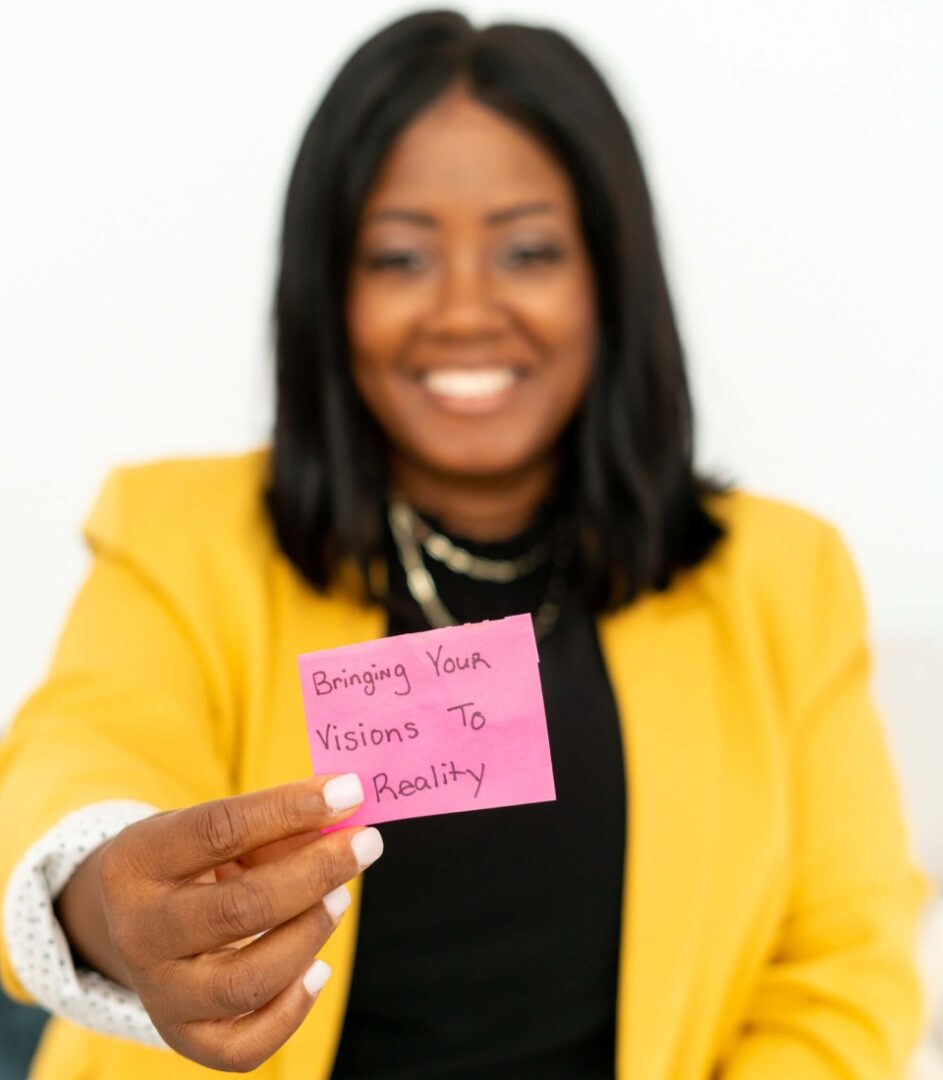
(479, 508)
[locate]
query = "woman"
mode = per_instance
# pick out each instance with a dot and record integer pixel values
(482, 409)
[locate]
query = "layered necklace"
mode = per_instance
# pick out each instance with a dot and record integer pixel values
(413, 536)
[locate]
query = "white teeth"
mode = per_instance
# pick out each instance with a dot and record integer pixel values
(468, 383)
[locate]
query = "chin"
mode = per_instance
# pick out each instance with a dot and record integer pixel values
(475, 460)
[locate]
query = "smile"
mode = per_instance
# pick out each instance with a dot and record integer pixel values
(469, 384)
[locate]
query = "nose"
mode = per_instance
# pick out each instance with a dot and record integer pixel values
(466, 307)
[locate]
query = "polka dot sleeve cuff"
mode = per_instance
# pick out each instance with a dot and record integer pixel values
(38, 948)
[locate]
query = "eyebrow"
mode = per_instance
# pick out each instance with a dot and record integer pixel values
(496, 217)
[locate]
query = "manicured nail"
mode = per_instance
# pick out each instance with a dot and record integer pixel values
(316, 976)
(367, 847)
(337, 902)
(343, 792)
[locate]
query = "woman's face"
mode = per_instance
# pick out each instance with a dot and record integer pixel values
(471, 304)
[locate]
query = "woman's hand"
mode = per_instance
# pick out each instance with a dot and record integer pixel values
(167, 906)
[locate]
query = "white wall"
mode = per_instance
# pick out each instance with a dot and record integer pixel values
(796, 158)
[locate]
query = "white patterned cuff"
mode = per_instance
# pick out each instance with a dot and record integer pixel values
(39, 952)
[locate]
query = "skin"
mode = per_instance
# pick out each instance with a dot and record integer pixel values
(469, 257)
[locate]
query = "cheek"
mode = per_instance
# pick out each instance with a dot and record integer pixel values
(561, 302)
(564, 320)
(373, 334)
(377, 327)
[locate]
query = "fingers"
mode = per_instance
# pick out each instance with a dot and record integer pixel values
(202, 917)
(244, 1043)
(231, 982)
(184, 843)
(279, 848)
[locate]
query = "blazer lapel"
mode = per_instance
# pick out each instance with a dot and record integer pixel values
(659, 656)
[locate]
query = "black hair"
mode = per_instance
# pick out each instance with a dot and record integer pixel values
(629, 449)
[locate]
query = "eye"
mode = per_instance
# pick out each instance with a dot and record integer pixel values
(526, 255)
(400, 260)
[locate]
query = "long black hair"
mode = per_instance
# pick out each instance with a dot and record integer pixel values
(628, 450)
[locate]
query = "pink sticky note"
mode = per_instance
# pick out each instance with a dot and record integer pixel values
(434, 722)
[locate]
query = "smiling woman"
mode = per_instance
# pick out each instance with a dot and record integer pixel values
(482, 410)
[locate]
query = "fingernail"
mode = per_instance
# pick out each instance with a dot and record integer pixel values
(316, 976)
(343, 792)
(337, 902)
(367, 847)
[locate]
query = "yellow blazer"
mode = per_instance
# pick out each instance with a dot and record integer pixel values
(770, 900)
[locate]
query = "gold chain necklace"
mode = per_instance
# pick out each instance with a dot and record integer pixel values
(460, 561)
(422, 588)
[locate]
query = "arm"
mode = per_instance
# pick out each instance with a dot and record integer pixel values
(39, 950)
(127, 688)
(840, 997)
(210, 916)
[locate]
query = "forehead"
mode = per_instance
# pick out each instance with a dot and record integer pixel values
(461, 153)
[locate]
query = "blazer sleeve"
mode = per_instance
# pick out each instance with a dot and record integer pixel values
(130, 708)
(839, 996)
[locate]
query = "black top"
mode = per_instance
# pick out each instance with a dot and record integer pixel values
(488, 941)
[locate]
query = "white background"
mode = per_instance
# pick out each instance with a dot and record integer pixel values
(796, 157)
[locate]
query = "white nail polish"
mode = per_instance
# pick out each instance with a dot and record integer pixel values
(337, 902)
(343, 792)
(316, 976)
(367, 847)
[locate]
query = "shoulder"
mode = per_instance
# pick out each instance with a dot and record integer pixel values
(758, 524)
(194, 532)
(772, 545)
(780, 574)
(783, 585)
(182, 502)
(193, 537)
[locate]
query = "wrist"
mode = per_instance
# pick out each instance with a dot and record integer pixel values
(80, 911)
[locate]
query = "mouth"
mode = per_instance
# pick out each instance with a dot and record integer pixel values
(471, 390)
